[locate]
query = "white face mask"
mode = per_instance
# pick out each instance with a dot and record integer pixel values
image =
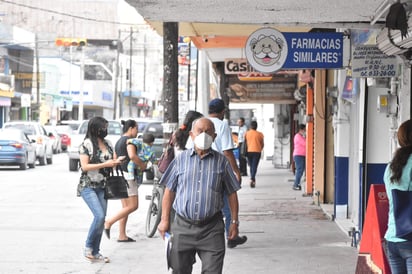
(203, 141)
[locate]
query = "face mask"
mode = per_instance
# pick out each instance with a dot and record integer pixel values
(203, 141)
(102, 133)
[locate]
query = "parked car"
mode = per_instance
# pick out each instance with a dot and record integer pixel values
(64, 131)
(114, 132)
(17, 149)
(34, 130)
(55, 137)
(73, 124)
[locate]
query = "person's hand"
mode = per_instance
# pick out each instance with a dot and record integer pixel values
(113, 163)
(163, 227)
(143, 166)
(233, 231)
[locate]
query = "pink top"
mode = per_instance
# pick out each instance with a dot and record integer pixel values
(299, 145)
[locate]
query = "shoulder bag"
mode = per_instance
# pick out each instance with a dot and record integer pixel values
(402, 211)
(116, 185)
(167, 156)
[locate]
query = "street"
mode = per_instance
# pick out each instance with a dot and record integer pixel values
(44, 224)
(44, 227)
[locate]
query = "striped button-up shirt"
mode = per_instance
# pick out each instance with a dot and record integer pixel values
(199, 183)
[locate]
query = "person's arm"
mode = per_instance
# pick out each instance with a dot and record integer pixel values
(168, 198)
(231, 158)
(87, 166)
(132, 152)
(234, 211)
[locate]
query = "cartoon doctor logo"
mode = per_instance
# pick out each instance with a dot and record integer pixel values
(266, 50)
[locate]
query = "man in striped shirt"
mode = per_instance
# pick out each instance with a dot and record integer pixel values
(195, 182)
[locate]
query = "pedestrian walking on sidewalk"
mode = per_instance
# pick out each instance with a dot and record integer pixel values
(299, 155)
(242, 146)
(96, 159)
(198, 227)
(254, 142)
(137, 154)
(397, 176)
(224, 144)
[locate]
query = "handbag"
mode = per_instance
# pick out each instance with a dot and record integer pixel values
(116, 185)
(167, 157)
(402, 210)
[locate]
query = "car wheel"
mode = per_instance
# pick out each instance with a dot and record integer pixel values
(73, 164)
(23, 166)
(42, 159)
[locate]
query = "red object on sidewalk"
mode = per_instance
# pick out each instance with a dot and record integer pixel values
(376, 223)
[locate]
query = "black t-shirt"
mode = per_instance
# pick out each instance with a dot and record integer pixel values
(121, 150)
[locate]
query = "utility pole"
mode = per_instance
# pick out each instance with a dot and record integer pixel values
(170, 77)
(170, 74)
(116, 77)
(130, 72)
(37, 79)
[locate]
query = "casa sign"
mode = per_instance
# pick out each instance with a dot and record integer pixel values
(244, 71)
(267, 50)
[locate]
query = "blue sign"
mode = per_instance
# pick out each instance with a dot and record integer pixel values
(268, 50)
(315, 50)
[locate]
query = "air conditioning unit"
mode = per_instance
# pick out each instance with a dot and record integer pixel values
(390, 41)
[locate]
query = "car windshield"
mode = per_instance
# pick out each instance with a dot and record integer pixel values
(28, 129)
(64, 129)
(114, 128)
(11, 135)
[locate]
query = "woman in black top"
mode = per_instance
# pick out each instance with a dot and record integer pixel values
(130, 204)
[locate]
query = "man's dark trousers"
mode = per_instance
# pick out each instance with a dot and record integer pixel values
(207, 240)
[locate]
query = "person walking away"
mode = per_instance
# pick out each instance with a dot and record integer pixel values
(299, 155)
(130, 204)
(398, 176)
(242, 146)
(198, 226)
(181, 135)
(255, 143)
(96, 159)
(223, 143)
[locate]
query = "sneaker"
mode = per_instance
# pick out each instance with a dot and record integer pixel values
(238, 241)
(100, 258)
(297, 188)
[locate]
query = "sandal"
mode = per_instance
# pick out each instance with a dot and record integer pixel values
(100, 258)
(87, 253)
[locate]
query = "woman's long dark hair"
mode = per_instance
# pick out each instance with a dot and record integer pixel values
(96, 124)
(182, 134)
(402, 154)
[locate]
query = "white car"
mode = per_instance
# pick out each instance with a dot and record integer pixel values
(55, 137)
(114, 132)
(34, 130)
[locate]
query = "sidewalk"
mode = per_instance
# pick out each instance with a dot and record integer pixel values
(287, 233)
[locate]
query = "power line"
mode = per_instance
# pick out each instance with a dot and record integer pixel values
(68, 15)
